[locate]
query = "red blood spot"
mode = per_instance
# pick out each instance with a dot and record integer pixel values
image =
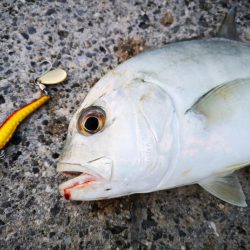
(87, 182)
(67, 195)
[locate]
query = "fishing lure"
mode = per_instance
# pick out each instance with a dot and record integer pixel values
(11, 123)
(8, 128)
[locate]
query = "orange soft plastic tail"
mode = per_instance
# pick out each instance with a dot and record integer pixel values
(8, 128)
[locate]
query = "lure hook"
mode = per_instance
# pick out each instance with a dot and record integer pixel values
(41, 86)
(50, 66)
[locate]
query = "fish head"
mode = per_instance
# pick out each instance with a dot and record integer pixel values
(114, 147)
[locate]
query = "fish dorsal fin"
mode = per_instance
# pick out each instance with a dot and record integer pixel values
(228, 102)
(228, 27)
(226, 188)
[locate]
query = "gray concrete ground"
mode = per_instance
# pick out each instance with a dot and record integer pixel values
(88, 38)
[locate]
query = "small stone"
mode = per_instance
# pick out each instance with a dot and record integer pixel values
(21, 195)
(63, 33)
(128, 48)
(6, 204)
(16, 155)
(48, 189)
(30, 202)
(2, 100)
(189, 246)
(80, 30)
(51, 234)
(247, 16)
(82, 60)
(105, 59)
(45, 122)
(35, 170)
(204, 5)
(143, 25)
(148, 223)
(16, 139)
(145, 22)
(157, 235)
(221, 206)
(167, 19)
(247, 37)
(115, 229)
(67, 240)
(31, 30)
(55, 210)
(55, 155)
(102, 49)
(182, 233)
(50, 12)
(6, 37)
(25, 35)
(190, 220)
(96, 15)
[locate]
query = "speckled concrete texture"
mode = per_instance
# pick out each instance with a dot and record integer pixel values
(88, 38)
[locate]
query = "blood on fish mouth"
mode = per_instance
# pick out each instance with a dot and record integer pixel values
(82, 178)
(76, 182)
(67, 194)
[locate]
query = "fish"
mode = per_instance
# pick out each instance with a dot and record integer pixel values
(168, 117)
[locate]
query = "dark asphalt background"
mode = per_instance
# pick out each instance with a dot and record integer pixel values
(88, 38)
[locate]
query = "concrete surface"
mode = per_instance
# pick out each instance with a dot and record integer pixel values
(88, 38)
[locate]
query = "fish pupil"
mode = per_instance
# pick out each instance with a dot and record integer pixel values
(91, 123)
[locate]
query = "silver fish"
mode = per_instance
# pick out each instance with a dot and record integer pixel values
(169, 117)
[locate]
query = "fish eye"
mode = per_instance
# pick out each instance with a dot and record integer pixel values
(91, 120)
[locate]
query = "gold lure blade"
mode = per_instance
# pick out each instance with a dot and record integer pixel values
(53, 77)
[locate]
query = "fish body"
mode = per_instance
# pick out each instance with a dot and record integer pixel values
(174, 116)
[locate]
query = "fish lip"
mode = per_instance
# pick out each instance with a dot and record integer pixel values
(75, 167)
(100, 167)
(87, 177)
(80, 182)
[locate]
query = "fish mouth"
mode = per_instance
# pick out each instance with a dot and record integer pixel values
(83, 176)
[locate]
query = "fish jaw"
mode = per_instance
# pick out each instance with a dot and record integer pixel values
(89, 185)
(94, 173)
(69, 188)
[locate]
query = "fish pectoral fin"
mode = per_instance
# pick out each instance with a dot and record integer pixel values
(228, 102)
(226, 188)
